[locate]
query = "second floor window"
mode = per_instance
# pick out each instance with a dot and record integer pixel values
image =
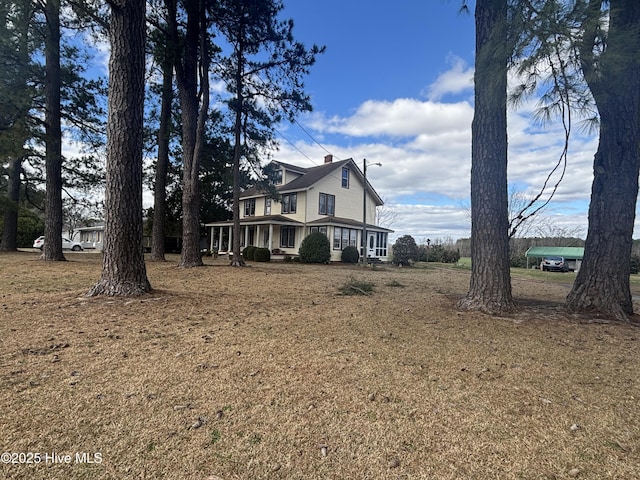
(345, 177)
(250, 207)
(267, 206)
(327, 204)
(289, 202)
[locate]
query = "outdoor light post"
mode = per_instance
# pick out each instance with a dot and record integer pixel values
(364, 211)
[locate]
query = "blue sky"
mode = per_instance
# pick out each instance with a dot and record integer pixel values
(378, 50)
(396, 86)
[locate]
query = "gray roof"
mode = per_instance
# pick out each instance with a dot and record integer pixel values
(261, 219)
(290, 166)
(313, 175)
(310, 176)
(340, 221)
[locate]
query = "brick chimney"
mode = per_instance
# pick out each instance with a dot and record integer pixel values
(328, 158)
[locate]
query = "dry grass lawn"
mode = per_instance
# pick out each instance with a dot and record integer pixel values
(268, 372)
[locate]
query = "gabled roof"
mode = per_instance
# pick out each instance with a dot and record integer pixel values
(309, 176)
(291, 167)
(312, 175)
(570, 253)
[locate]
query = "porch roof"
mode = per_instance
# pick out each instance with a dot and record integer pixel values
(262, 220)
(282, 220)
(349, 222)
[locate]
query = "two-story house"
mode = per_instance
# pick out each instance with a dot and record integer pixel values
(328, 198)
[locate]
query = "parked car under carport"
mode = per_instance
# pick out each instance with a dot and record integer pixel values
(554, 264)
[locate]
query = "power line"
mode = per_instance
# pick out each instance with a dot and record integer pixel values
(300, 126)
(294, 146)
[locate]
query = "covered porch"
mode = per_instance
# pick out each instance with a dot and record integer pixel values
(282, 236)
(344, 232)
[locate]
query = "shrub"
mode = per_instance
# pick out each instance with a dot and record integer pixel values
(405, 250)
(438, 253)
(262, 255)
(518, 261)
(350, 255)
(451, 256)
(635, 264)
(315, 248)
(249, 252)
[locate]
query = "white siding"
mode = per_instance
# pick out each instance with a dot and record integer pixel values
(348, 200)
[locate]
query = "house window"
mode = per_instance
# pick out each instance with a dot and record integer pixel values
(327, 204)
(267, 206)
(381, 244)
(345, 177)
(343, 237)
(318, 229)
(250, 207)
(289, 202)
(274, 174)
(288, 237)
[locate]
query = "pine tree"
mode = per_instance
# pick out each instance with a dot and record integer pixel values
(264, 72)
(490, 285)
(123, 267)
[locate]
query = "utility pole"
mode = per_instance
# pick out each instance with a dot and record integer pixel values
(364, 211)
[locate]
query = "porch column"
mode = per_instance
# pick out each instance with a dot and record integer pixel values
(270, 246)
(220, 239)
(258, 240)
(229, 248)
(213, 233)
(246, 235)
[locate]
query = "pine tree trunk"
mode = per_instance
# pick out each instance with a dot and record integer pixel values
(160, 187)
(237, 260)
(490, 285)
(190, 253)
(603, 284)
(194, 116)
(10, 225)
(19, 121)
(52, 249)
(123, 267)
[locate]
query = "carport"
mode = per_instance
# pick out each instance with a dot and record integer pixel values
(573, 255)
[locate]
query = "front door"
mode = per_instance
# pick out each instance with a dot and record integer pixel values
(371, 244)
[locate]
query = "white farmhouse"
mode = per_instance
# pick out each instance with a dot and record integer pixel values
(328, 198)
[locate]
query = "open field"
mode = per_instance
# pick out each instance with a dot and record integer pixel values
(268, 372)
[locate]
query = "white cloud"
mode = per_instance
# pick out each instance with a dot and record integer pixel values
(425, 150)
(404, 117)
(457, 79)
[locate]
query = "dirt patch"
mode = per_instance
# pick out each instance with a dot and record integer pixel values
(271, 372)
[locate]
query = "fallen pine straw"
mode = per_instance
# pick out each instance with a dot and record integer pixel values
(268, 373)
